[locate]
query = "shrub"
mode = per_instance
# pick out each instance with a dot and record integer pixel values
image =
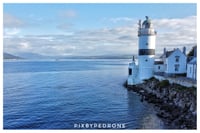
(164, 83)
(152, 78)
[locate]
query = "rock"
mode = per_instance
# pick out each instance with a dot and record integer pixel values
(176, 105)
(141, 91)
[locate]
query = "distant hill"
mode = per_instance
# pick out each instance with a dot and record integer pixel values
(35, 56)
(98, 57)
(10, 56)
(28, 55)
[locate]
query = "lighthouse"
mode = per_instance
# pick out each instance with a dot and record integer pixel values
(146, 51)
(143, 69)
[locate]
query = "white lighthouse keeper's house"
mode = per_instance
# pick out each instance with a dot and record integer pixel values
(146, 52)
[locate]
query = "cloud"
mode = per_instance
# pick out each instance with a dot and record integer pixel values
(122, 19)
(12, 25)
(11, 32)
(68, 14)
(10, 21)
(172, 33)
(177, 32)
(65, 26)
(24, 45)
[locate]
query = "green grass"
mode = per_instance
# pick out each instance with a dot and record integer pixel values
(180, 88)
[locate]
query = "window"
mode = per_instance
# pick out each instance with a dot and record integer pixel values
(177, 58)
(146, 60)
(158, 67)
(190, 69)
(130, 71)
(176, 67)
(147, 43)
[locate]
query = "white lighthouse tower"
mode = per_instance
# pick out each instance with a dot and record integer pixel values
(146, 52)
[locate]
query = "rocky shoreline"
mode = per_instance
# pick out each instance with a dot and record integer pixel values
(175, 104)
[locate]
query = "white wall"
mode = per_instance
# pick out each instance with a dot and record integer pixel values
(171, 61)
(146, 67)
(192, 71)
(156, 68)
(133, 79)
(151, 40)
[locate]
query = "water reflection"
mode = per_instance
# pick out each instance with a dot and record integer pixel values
(142, 113)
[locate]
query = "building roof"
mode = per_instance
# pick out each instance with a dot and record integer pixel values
(158, 62)
(193, 61)
(147, 23)
(167, 54)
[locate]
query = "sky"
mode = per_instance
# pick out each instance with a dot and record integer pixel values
(83, 29)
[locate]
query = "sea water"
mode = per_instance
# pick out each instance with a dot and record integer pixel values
(69, 94)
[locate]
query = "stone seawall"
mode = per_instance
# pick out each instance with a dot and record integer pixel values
(175, 104)
(181, 80)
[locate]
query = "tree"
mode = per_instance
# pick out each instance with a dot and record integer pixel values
(192, 51)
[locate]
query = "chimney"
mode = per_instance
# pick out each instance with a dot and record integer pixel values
(164, 51)
(184, 50)
(133, 58)
(195, 52)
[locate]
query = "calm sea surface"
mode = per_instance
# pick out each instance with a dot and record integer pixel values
(60, 94)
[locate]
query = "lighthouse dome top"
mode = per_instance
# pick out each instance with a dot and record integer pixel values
(147, 23)
(146, 28)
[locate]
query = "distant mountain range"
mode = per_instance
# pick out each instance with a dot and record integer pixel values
(35, 56)
(10, 56)
(38, 56)
(97, 57)
(24, 56)
(27, 55)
